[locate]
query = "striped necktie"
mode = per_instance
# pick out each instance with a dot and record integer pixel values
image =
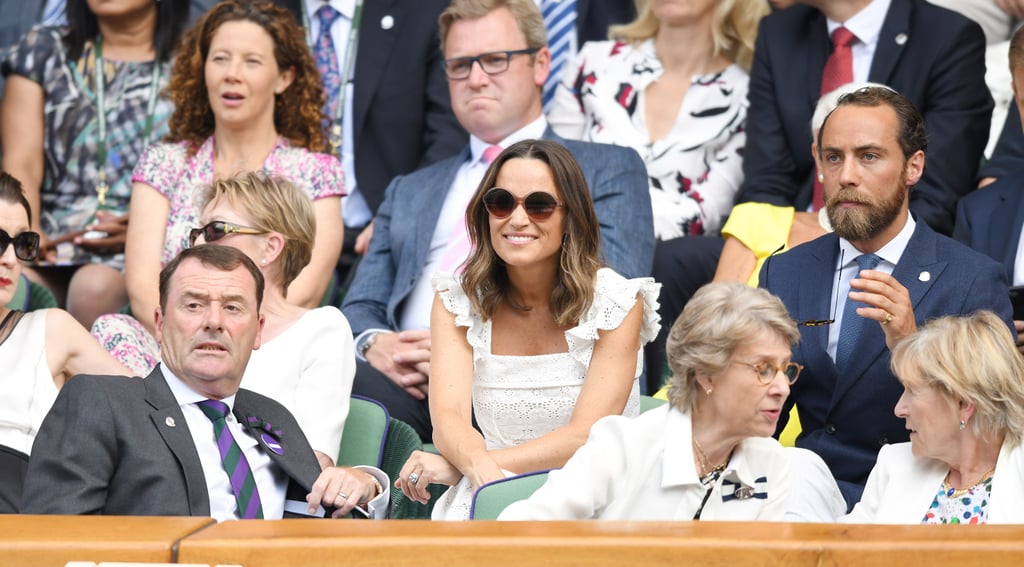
(560, 21)
(53, 13)
(243, 483)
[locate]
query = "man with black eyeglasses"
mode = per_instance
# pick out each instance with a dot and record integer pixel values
(857, 292)
(496, 62)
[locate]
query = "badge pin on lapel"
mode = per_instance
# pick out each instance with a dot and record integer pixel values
(272, 443)
(924, 276)
(901, 39)
(387, 22)
(170, 421)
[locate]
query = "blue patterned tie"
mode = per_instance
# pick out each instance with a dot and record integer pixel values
(243, 483)
(560, 21)
(327, 57)
(853, 324)
(54, 13)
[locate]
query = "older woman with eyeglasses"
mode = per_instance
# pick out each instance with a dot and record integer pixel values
(707, 454)
(963, 400)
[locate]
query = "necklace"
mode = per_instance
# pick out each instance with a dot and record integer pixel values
(958, 492)
(101, 114)
(709, 474)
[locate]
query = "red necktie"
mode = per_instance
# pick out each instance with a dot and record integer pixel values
(838, 72)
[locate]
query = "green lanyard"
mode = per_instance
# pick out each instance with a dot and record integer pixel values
(101, 116)
(346, 72)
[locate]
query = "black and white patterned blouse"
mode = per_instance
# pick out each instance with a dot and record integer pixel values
(697, 168)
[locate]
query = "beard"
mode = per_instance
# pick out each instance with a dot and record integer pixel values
(861, 224)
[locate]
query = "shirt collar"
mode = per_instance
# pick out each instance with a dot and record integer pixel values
(185, 395)
(534, 130)
(346, 7)
(866, 24)
(891, 252)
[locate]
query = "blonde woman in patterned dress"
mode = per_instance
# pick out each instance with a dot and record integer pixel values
(963, 401)
(535, 339)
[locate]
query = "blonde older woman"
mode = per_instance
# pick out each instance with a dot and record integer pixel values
(963, 401)
(707, 454)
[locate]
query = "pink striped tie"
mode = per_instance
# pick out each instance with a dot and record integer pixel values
(459, 245)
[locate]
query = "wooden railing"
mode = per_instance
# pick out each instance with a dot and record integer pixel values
(35, 540)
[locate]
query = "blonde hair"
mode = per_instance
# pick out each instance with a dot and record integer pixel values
(718, 320)
(527, 15)
(971, 358)
(734, 28)
(273, 204)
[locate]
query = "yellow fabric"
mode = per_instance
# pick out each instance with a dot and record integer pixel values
(760, 227)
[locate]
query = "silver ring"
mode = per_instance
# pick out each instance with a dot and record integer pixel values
(342, 495)
(413, 478)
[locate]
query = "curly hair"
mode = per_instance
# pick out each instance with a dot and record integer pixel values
(485, 279)
(298, 111)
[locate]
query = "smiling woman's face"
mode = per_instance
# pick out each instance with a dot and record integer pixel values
(13, 221)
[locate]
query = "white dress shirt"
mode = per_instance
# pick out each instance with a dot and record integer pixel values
(271, 481)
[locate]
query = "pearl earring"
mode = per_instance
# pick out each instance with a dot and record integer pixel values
(263, 261)
(708, 391)
(962, 424)
(821, 178)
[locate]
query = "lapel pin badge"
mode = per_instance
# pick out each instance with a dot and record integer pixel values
(387, 22)
(901, 39)
(272, 443)
(170, 421)
(924, 276)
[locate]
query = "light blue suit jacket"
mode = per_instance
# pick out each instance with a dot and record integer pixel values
(406, 220)
(845, 418)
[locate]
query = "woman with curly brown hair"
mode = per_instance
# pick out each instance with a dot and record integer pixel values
(248, 97)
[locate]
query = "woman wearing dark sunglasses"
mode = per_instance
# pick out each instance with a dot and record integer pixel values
(707, 454)
(307, 359)
(38, 350)
(535, 338)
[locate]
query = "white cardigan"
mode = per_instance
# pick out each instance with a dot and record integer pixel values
(643, 469)
(901, 487)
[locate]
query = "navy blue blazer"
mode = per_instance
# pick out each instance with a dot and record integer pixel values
(845, 418)
(121, 446)
(989, 220)
(406, 221)
(933, 56)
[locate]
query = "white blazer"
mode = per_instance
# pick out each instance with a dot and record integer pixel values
(643, 469)
(901, 487)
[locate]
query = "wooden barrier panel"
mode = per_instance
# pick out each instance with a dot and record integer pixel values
(55, 540)
(597, 544)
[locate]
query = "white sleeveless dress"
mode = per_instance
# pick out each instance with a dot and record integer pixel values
(26, 381)
(520, 398)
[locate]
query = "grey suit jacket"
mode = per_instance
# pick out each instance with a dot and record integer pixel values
(406, 221)
(846, 416)
(121, 446)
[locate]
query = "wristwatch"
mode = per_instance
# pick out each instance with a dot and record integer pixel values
(366, 343)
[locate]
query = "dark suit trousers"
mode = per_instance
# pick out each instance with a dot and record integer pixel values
(372, 383)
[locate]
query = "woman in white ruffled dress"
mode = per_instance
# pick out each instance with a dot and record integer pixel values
(544, 342)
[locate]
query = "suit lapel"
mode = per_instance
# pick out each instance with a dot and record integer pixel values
(170, 423)
(815, 302)
(1002, 241)
(372, 54)
(431, 201)
(295, 458)
(889, 50)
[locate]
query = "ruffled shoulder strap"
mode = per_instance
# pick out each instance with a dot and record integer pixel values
(455, 300)
(614, 297)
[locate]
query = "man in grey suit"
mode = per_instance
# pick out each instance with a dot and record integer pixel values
(496, 63)
(156, 446)
(857, 292)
